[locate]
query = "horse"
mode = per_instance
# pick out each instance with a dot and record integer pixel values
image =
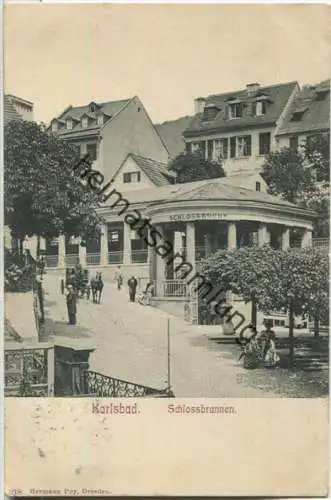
(96, 288)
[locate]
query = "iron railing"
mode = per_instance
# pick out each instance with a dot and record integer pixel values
(71, 259)
(174, 288)
(26, 372)
(115, 257)
(51, 260)
(139, 256)
(100, 385)
(93, 259)
(321, 243)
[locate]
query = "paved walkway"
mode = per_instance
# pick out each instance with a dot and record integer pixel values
(19, 312)
(130, 343)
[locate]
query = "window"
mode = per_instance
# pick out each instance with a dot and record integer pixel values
(221, 149)
(240, 146)
(54, 126)
(84, 122)
(260, 108)
(92, 151)
(235, 110)
(210, 149)
(264, 143)
(100, 120)
(131, 177)
(210, 113)
(258, 186)
(294, 142)
(188, 147)
(69, 124)
(113, 236)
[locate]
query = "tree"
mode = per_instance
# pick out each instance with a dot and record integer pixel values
(285, 174)
(191, 167)
(274, 279)
(303, 177)
(43, 196)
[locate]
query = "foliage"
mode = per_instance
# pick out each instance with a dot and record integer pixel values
(190, 167)
(273, 277)
(303, 176)
(18, 278)
(42, 195)
(286, 174)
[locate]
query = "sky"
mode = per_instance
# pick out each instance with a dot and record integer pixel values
(58, 55)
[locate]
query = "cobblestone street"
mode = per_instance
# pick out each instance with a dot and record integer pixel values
(130, 343)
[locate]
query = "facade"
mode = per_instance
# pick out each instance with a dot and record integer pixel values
(308, 116)
(16, 108)
(240, 127)
(109, 131)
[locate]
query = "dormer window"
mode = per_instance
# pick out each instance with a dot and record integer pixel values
(84, 122)
(321, 94)
(69, 124)
(100, 119)
(210, 112)
(235, 110)
(298, 114)
(54, 126)
(261, 108)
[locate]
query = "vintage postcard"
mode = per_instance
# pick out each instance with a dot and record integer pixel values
(166, 241)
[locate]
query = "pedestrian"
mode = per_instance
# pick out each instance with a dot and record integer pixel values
(71, 304)
(119, 278)
(132, 284)
(267, 340)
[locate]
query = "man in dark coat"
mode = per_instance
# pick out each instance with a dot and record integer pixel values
(132, 284)
(71, 304)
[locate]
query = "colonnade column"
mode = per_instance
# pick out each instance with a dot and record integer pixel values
(286, 239)
(82, 255)
(104, 245)
(160, 265)
(263, 235)
(307, 239)
(61, 251)
(126, 244)
(190, 244)
(232, 235)
(151, 259)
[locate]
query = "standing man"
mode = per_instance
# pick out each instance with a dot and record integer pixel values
(132, 284)
(71, 304)
(119, 278)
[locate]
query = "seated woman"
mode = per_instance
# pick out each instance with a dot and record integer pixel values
(144, 297)
(259, 350)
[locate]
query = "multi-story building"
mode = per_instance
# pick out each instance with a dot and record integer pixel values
(240, 127)
(109, 131)
(16, 108)
(308, 116)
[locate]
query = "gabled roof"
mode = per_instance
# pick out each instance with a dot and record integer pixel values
(315, 113)
(156, 171)
(277, 95)
(171, 132)
(110, 109)
(9, 112)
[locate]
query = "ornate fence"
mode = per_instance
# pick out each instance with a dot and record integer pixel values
(100, 385)
(175, 288)
(26, 372)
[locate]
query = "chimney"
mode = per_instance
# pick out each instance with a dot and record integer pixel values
(199, 104)
(251, 88)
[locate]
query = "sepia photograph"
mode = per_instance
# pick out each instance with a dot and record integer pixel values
(166, 201)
